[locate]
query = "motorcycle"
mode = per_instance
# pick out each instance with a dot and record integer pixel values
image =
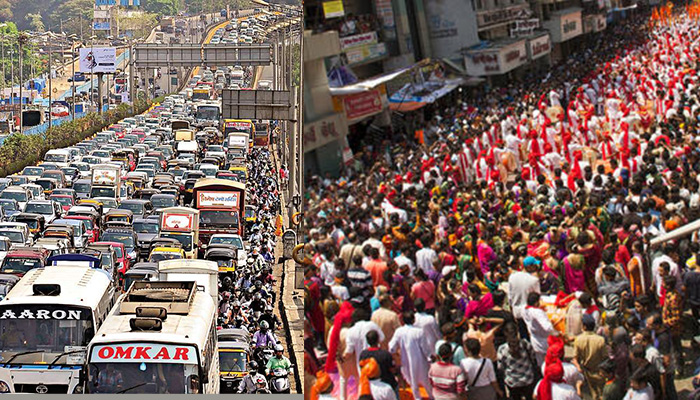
(279, 380)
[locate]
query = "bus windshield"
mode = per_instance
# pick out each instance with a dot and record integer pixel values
(210, 113)
(48, 327)
(218, 218)
(142, 377)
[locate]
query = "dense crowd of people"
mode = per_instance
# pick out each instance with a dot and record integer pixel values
(525, 249)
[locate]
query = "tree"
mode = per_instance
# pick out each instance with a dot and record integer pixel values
(161, 7)
(73, 14)
(140, 23)
(35, 22)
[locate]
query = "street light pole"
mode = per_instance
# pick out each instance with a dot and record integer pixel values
(72, 64)
(20, 43)
(50, 79)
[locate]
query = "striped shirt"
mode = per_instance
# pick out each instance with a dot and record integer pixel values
(518, 370)
(448, 381)
(361, 278)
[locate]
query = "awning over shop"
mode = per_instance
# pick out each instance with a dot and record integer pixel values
(367, 84)
(414, 96)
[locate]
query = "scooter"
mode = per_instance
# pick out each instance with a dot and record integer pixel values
(279, 381)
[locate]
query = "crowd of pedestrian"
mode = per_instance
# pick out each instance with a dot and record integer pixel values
(526, 248)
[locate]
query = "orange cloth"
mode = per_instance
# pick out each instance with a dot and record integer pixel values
(369, 370)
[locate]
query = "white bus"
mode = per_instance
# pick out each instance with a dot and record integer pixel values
(46, 323)
(160, 338)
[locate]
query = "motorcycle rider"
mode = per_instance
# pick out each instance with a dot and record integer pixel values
(272, 320)
(237, 312)
(249, 382)
(264, 337)
(258, 304)
(279, 361)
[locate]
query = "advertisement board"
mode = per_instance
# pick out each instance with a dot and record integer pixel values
(564, 25)
(538, 47)
(358, 40)
(525, 27)
(356, 55)
(385, 13)
(177, 222)
(218, 199)
(333, 9)
(486, 19)
(101, 26)
(363, 104)
(496, 61)
(143, 352)
(98, 59)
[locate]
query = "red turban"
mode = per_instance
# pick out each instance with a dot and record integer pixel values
(553, 373)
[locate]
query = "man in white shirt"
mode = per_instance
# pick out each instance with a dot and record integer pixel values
(520, 284)
(538, 326)
(356, 339)
(409, 342)
(426, 258)
(427, 323)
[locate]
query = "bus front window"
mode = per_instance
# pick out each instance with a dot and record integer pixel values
(47, 329)
(135, 377)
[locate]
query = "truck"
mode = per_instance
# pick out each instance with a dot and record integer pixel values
(179, 124)
(106, 181)
(184, 134)
(181, 224)
(167, 24)
(237, 148)
(221, 203)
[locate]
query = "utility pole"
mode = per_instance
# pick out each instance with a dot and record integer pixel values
(132, 82)
(3, 25)
(72, 64)
(50, 79)
(20, 42)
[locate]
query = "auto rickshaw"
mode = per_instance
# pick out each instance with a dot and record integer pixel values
(171, 189)
(165, 253)
(34, 221)
(119, 215)
(60, 232)
(137, 182)
(164, 242)
(225, 257)
(233, 363)
(250, 215)
(145, 194)
(48, 184)
(95, 204)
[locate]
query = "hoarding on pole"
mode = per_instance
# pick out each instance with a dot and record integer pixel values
(98, 59)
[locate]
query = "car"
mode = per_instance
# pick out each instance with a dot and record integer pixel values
(125, 236)
(140, 208)
(146, 230)
(49, 209)
(10, 207)
(20, 194)
(123, 262)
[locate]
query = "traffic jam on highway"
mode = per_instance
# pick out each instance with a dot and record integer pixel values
(141, 260)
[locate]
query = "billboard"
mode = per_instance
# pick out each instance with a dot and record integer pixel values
(101, 26)
(98, 59)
